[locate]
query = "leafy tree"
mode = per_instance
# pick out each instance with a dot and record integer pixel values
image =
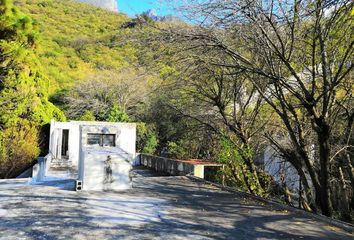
(194, 140)
(18, 147)
(147, 141)
(115, 114)
(150, 144)
(178, 149)
(23, 91)
(237, 174)
(87, 116)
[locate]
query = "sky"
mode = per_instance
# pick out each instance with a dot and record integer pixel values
(133, 7)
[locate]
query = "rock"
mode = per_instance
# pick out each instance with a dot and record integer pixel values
(111, 5)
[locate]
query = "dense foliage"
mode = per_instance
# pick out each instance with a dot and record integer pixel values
(76, 40)
(94, 72)
(23, 91)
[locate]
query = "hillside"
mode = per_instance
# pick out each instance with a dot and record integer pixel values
(76, 40)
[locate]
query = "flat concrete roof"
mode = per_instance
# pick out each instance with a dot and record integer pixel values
(99, 123)
(96, 123)
(156, 208)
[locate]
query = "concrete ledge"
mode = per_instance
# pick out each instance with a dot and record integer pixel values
(12, 183)
(334, 222)
(176, 167)
(166, 165)
(14, 180)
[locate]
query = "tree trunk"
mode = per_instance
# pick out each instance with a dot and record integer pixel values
(251, 167)
(322, 130)
(344, 204)
(350, 171)
(314, 178)
(254, 172)
(307, 202)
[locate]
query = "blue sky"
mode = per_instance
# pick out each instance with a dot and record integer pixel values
(133, 7)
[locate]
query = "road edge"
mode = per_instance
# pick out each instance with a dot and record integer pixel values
(334, 222)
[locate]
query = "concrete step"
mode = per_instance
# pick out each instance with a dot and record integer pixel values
(63, 172)
(62, 168)
(60, 163)
(65, 184)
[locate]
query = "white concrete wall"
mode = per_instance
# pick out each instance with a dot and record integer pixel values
(95, 176)
(74, 144)
(125, 134)
(93, 159)
(55, 142)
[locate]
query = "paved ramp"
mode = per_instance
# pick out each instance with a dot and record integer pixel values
(157, 208)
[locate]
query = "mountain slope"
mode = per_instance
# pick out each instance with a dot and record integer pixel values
(75, 40)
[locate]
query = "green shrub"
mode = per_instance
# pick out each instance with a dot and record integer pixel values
(87, 116)
(18, 149)
(147, 140)
(23, 92)
(116, 114)
(178, 149)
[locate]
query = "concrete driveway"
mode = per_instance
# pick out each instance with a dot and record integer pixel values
(156, 208)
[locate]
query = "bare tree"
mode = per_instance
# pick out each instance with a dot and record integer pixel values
(227, 103)
(127, 89)
(299, 57)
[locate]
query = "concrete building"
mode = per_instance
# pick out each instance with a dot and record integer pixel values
(99, 155)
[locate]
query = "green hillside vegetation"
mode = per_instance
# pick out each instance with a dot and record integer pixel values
(23, 91)
(76, 40)
(99, 66)
(93, 63)
(82, 45)
(75, 54)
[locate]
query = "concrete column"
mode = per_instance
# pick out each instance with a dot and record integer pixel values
(81, 171)
(51, 138)
(41, 171)
(199, 171)
(59, 142)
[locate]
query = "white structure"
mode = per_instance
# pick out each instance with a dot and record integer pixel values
(101, 153)
(278, 168)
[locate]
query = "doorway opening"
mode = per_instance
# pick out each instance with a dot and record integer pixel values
(65, 144)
